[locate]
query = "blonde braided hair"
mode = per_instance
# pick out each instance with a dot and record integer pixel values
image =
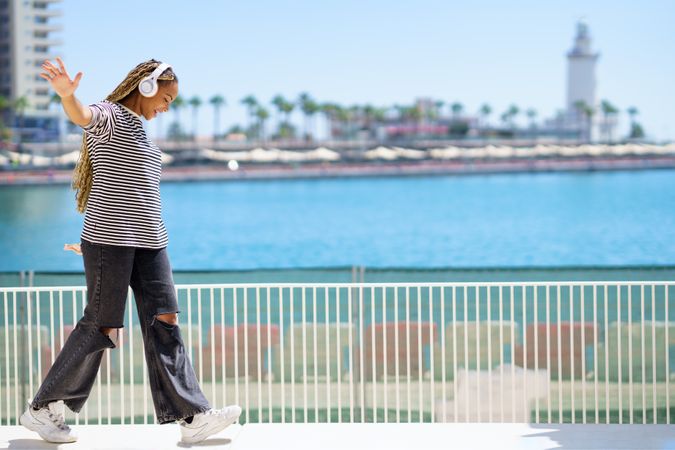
(83, 175)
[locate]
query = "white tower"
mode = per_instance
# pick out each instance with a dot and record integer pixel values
(581, 81)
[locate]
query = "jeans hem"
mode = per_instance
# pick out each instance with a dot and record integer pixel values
(168, 419)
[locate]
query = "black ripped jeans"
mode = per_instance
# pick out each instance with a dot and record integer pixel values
(109, 271)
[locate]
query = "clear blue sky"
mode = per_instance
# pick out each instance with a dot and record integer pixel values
(380, 52)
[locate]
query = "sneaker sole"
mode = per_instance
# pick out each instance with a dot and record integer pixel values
(209, 432)
(27, 423)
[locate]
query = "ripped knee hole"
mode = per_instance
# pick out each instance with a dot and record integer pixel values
(170, 318)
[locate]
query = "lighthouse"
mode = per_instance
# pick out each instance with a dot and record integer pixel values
(581, 83)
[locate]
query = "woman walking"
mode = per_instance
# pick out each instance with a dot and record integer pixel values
(123, 243)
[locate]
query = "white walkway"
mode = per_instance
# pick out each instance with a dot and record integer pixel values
(361, 436)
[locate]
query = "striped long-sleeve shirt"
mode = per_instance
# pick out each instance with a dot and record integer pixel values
(124, 206)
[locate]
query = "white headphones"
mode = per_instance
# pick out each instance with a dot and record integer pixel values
(148, 85)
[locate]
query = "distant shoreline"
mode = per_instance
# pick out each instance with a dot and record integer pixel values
(261, 171)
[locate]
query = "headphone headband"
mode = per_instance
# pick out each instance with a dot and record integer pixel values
(159, 70)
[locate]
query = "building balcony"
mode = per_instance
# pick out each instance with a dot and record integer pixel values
(47, 27)
(46, 42)
(47, 12)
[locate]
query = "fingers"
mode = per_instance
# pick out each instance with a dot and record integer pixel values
(61, 65)
(73, 247)
(77, 79)
(52, 70)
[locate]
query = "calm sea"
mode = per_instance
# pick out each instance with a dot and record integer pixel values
(514, 220)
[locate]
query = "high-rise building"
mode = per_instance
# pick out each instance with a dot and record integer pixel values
(27, 38)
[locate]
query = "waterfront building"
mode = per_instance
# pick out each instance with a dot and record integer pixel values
(29, 35)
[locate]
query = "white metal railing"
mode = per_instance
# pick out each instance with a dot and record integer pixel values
(579, 352)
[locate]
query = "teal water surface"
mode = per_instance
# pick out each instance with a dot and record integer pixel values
(514, 220)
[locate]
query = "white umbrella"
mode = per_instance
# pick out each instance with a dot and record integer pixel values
(215, 155)
(68, 158)
(662, 150)
(642, 149)
(410, 153)
(41, 161)
(262, 155)
(669, 148)
(570, 151)
(499, 152)
(594, 150)
(289, 156)
(381, 153)
(544, 150)
(323, 154)
(25, 159)
(476, 153)
(167, 159)
(445, 153)
(21, 158)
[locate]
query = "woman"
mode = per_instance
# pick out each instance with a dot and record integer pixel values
(123, 244)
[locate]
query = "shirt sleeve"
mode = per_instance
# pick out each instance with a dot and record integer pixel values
(102, 124)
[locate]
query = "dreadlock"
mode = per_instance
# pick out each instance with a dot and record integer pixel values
(83, 173)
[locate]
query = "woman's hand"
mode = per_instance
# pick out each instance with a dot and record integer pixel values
(73, 248)
(59, 79)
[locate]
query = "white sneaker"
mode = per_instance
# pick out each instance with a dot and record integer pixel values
(49, 423)
(208, 423)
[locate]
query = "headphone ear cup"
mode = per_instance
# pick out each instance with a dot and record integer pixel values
(147, 87)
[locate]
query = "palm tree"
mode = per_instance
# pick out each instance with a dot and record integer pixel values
(177, 105)
(287, 108)
(262, 115)
(531, 113)
(368, 115)
(512, 112)
(278, 101)
(20, 106)
(217, 101)
(485, 111)
(438, 104)
(329, 110)
(342, 115)
(632, 113)
(195, 102)
(251, 104)
(636, 130)
(380, 114)
(4, 105)
(309, 107)
(586, 112)
(456, 109)
(54, 99)
(608, 111)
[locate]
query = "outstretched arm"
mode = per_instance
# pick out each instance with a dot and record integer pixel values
(65, 88)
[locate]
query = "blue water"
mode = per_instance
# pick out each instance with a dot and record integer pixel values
(603, 218)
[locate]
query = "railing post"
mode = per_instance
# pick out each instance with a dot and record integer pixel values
(23, 370)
